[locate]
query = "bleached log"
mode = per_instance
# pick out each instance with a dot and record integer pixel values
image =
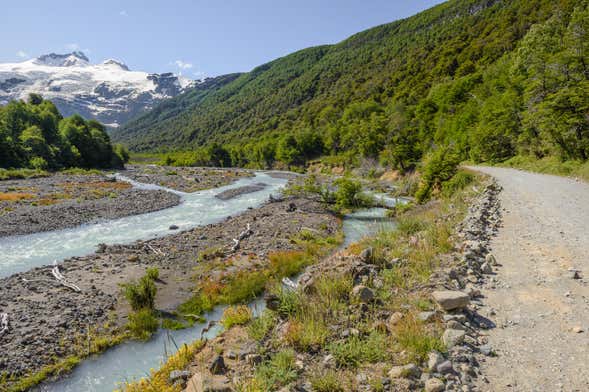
(61, 279)
(289, 283)
(243, 235)
(156, 250)
(3, 323)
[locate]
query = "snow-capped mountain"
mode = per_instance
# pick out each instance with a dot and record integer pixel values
(108, 92)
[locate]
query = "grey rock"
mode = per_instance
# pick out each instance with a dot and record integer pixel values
(434, 359)
(486, 268)
(405, 371)
(426, 316)
(490, 259)
(253, 359)
(445, 367)
(218, 365)
(173, 227)
(363, 294)
(176, 375)
(452, 337)
(449, 300)
(434, 385)
(366, 255)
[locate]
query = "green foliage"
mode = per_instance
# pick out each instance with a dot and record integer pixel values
(326, 381)
(439, 166)
(152, 273)
(460, 181)
(492, 79)
(236, 315)
(277, 372)
(34, 135)
(261, 325)
(141, 294)
(142, 323)
(355, 350)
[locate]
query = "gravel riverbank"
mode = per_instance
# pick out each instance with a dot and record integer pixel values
(49, 321)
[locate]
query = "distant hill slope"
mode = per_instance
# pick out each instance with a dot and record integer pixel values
(395, 86)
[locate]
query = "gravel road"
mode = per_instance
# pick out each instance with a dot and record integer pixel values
(540, 306)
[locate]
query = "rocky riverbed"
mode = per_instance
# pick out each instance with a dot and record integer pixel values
(49, 321)
(185, 179)
(233, 358)
(63, 201)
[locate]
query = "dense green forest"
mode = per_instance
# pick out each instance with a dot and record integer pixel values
(485, 80)
(34, 135)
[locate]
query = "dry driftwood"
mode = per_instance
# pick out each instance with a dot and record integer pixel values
(3, 323)
(243, 235)
(61, 279)
(156, 250)
(289, 283)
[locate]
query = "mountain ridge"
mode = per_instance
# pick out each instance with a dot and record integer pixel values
(109, 91)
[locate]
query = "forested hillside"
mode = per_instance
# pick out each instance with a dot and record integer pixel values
(485, 79)
(34, 135)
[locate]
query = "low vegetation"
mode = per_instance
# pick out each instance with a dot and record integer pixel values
(143, 321)
(158, 380)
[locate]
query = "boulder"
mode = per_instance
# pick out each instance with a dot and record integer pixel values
(434, 359)
(449, 300)
(452, 337)
(434, 385)
(218, 365)
(490, 259)
(363, 294)
(486, 268)
(405, 371)
(366, 255)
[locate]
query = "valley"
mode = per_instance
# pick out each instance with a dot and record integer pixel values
(338, 208)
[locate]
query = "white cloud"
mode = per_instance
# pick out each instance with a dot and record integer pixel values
(182, 64)
(72, 46)
(22, 54)
(123, 13)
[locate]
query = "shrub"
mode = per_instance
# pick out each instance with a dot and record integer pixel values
(416, 340)
(278, 371)
(236, 315)
(152, 273)
(440, 166)
(142, 323)
(326, 381)
(260, 326)
(355, 350)
(347, 194)
(141, 295)
(457, 183)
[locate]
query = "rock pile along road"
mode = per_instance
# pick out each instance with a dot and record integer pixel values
(539, 298)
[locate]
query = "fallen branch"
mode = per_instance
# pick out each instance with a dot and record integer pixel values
(61, 279)
(3, 323)
(156, 250)
(289, 283)
(243, 235)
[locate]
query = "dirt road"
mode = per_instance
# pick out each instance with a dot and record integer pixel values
(540, 306)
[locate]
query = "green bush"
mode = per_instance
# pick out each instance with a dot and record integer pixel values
(278, 371)
(141, 294)
(457, 183)
(356, 350)
(153, 273)
(142, 323)
(440, 166)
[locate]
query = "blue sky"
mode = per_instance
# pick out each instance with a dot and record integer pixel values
(190, 37)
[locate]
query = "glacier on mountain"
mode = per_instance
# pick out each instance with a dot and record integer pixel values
(108, 92)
